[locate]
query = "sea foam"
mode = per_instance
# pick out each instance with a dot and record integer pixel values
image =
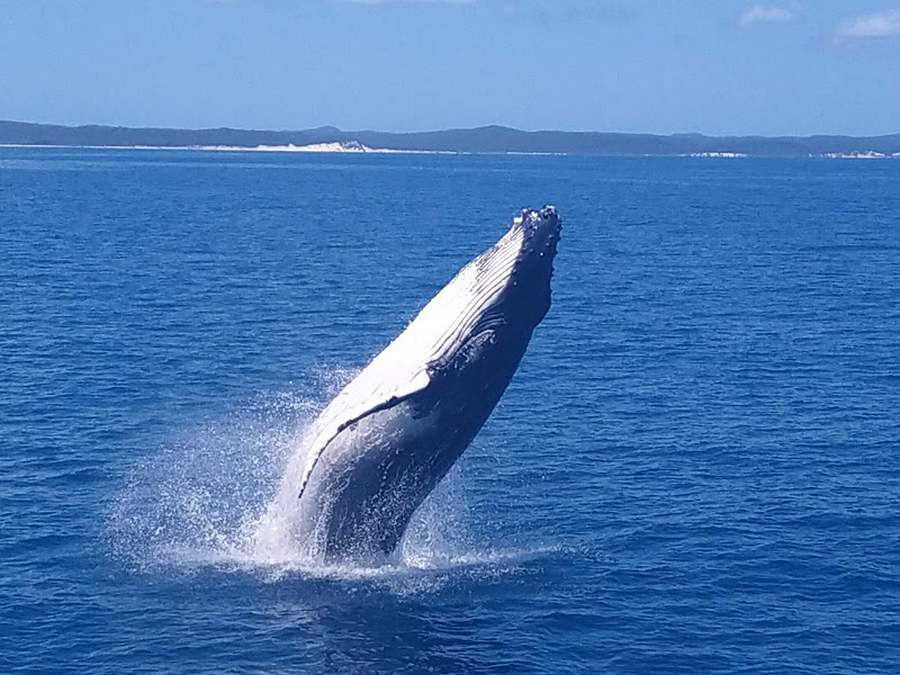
(208, 498)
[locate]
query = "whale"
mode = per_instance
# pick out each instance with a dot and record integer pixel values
(386, 440)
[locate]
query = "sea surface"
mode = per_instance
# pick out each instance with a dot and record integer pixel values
(696, 468)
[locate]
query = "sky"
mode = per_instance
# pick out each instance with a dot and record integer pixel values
(658, 66)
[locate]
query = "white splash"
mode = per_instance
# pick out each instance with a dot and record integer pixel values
(205, 500)
(203, 492)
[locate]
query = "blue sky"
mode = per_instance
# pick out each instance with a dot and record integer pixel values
(663, 66)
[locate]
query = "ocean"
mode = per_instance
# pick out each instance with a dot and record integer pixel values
(696, 468)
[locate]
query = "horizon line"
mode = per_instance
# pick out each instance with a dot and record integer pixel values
(496, 126)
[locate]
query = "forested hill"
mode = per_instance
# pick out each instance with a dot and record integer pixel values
(489, 139)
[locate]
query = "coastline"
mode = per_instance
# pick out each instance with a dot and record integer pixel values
(355, 148)
(318, 148)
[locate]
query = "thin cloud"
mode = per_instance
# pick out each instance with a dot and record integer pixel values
(881, 24)
(765, 14)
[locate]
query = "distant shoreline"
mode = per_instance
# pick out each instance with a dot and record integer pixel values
(312, 150)
(270, 149)
(300, 149)
(494, 140)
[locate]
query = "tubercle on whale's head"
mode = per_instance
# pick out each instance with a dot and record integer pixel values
(540, 236)
(540, 226)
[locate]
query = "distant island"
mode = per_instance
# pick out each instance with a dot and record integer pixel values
(489, 139)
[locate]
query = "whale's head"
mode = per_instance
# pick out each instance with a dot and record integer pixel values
(509, 284)
(536, 233)
(494, 302)
(499, 297)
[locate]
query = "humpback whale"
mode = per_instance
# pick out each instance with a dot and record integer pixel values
(388, 438)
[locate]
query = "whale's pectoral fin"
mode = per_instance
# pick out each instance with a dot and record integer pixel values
(423, 401)
(419, 383)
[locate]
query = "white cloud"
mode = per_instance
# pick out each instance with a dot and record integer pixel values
(881, 24)
(765, 14)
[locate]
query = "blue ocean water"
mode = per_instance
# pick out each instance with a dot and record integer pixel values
(695, 469)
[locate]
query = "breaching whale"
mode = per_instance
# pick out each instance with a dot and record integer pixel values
(387, 439)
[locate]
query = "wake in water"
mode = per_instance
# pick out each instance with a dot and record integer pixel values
(211, 498)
